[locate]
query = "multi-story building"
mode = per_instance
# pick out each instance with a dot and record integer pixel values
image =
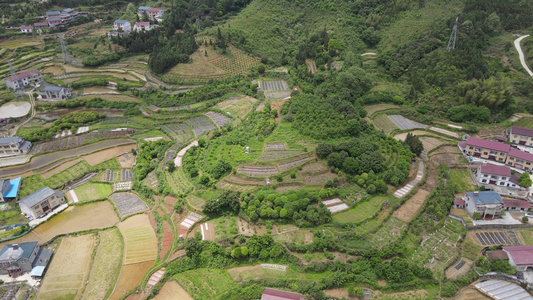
(23, 79)
(142, 26)
(41, 25)
(13, 145)
(486, 149)
(55, 22)
(122, 25)
(26, 29)
(521, 136)
(485, 203)
(497, 175)
(155, 13)
(41, 202)
(520, 159)
(17, 259)
(143, 10)
(52, 92)
(52, 14)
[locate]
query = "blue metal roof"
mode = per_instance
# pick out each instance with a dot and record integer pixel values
(67, 10)
(37, 271)
(120, 21)
(486, 197)
(144, 7)
(52, 88)
(13, 189)
(54, 19)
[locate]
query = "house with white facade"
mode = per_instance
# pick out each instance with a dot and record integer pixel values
(13, 145)
(122, 25)
(486, 203)
(26, 29)
(143, 10)
(54, 93)
(155, 13)
(520, 256)
(33, 77)
(142, 26)
(488, 174)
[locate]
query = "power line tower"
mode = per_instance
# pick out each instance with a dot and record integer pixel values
(66, 58)
(18, 90)
(453, 36)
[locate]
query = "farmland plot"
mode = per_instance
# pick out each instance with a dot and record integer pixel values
(372, 109)
(140, 242)
(178, 182)
(318, 179)
(218, 118)
(275, 146)
(238, 106)
(388, 233)
(128, 204)
(237, 62)
(258, 171)
(273, 85)
(130, 276)
(284, 166)
(171, 291)
(200, 125)
(277, 155)
(69, 269)
(76, 141)
(179, 132)
(205, 283)
(403, 123)
(382, 122)
(361, 212)
(93, 191)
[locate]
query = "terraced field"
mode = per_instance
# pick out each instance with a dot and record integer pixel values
(179, 132)
(200, 125)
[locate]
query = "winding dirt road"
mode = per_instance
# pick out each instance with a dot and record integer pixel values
(521, 54)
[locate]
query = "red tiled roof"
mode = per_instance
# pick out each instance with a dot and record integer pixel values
(496, 254)
(522, 131)
(25, 27)
(522, 255)
(487, 144)
(462, 145)
(142, 23)
(154, 9)
(501, 138)
(40, 24)
(23, 75)
(273, 294)
(458, 202)
(516, 203)
(521, 154)
(496, 170)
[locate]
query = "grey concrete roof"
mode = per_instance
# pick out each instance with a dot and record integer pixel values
(24, 250)
(10, 139)
(37, 196)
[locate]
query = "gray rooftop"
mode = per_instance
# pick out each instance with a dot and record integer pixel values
(37, 196)
(43, 258)
(485, 197)
(4, 186)
(52, 88)
(25, 145)
(24, 251)
(10, 139)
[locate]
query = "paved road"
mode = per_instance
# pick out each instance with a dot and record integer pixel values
(43, 160)
(521, 54)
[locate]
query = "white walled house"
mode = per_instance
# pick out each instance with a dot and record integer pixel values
(23, 79)
(122, 25)
(485, 203)
(520, 256)
(497, 175)
(26, 29)
(14, 145)
(52, 92)
(142, 26)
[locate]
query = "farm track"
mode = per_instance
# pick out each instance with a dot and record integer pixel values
(49, 159)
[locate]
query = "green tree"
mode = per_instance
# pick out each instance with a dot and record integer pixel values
(414, 143)
(525, 180)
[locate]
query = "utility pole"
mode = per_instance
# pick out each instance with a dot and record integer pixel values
(453, 36)
(66, 58)
(18, 90)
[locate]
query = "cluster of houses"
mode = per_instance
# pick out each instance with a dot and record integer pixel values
(121, 27)
(53, 19)
(153, 13)
(35, 78)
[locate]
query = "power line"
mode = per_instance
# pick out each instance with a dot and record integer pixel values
(453, 36)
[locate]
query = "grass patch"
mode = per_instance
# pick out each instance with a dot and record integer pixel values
(225, 227)
(10, 214)
(462, 180)
(257, 272)
(382, 122)
(93, 191)
(528, 236)
(470, 250)
(524, 123)
(295, 141)
(205, 283)
(178, 182)
(372, 109)
(361, 212)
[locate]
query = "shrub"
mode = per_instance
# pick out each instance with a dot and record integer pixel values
(477, 216)
(525, 219)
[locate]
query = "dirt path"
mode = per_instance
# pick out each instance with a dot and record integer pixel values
(32, 111)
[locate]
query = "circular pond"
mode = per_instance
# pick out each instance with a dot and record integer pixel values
(14, 109)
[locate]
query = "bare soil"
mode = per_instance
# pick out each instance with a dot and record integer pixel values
(166, 240)
(101, 156)
(470, 293)
(126, 161)
(171, 291)
(248, 229)
(454, 273)
(446, 155)
(130, 276)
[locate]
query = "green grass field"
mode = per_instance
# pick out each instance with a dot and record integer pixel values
(93, 191)
(196, 201)
(462, 180)
(178, 182)
(205, 283)
(360, 212)
(225, 227)
(372, 109)
(524, 123)
(382, 122)
(10, 214)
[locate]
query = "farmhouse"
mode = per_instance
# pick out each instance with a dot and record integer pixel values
(55, 22)
(273, 294)
(26, 29)
(9, 189)
(13, 145)
(41, 202)
(155, 13)
(520, 159)
(122, 25)
(142, 26)
(497, 175)
(486, 149)
(52, 14)
(520, 256)
(16, 259)
(485, 203)
(143, 10)
(52, 92)
(23, 79)
(516, 205)
(521, 136)
(40, 25)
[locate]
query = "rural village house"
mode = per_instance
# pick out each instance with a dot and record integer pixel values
(123, 25)
(273, 294)
(497, 175)
(520, 159)
(16, 259)
(142, 26)
(41, 202)
(13, 145)
(155, 14)
(23, 79)
(52, 92)
(515, 205)
(41, 25)
(485, 203)
(9, 189)
(520, 256)
(521, 136)
(26, 29)
(498, 152)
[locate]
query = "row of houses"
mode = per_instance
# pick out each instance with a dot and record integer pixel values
(13, 145)
(54, 19)
(153, 13)
(35, 78)
(124, 27)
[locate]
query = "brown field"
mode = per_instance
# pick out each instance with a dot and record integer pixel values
(69, 269)
(61, 167)
(126, 161)
(101, 156)
(110, 97)
(417, 294)
(172, 291)
(470, 293)
(337, 293)
(73, 219)
(97, 89)
(409, 209)
(447, 155)
(248, 229)
(140, 241)
(200, 66)
(430, 143)
(454, 273)
(166, 240)
(130, 276)
(97, 73)
(16, 43)
(55, 70)
(372, 109)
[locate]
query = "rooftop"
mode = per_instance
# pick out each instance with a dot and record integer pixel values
(54, 19)
(154, 9)
(521, 154)
(40, 24)
(22, 250)
(14, 186)
(24, 74)
(522, 255)
(487, 144)
(273, 294)
(496, 170)
(516, 203)
(51, 13)
(144, 7)
(37, 196)
(10, 139)
(25, 27)
(458, 202)
(522, 131)
(121, 21)
(485, 197)
(142, 24)
(52, 88)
